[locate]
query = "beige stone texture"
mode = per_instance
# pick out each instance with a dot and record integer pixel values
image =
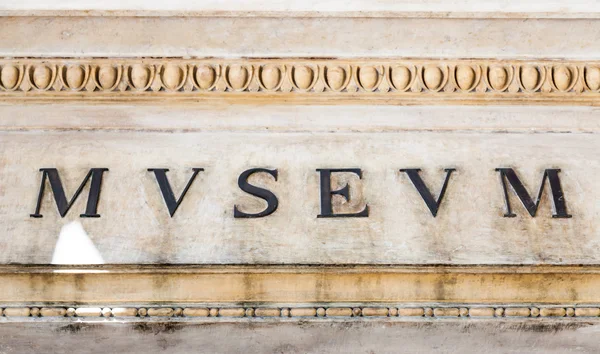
(256, 36)
(53, 312)
(262, 312)
(301, 81)
(446, 311)
(517, 312)
(356, 8)
(469, 229)
(552, 312)
(482, 312)
(231, 312)
(339, 311)
(375, 311)
(303, 312)
(587, 312)
(162, 312)
(377, 85)
(196, 312)
(17, 312)
(411, 312)
(552, 336)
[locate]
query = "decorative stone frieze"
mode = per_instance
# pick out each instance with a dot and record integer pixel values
(394, 81)
(212, 312)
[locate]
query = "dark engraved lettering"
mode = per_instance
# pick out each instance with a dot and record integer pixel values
(167, 191)
(327, 193)
(559, 205)
(60, 197)
(262, 193)
(432, 204)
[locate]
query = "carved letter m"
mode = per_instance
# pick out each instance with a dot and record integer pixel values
(59, 193)
(558, 199)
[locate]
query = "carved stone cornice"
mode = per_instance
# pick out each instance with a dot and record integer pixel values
(296, 292)
(300, 284)
(302, 81)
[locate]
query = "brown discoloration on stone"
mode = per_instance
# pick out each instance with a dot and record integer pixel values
(305, 284)
(156, 328)
(72, 328)
(399, 229)
(529, 336)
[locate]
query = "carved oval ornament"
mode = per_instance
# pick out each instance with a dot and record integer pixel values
(141, 76)
(173, 76)
(205, 76)
(108, 76)
(10, 77)
(401, 77)
(420, 78)
(238, 76)
(42, 76)
(271, 77)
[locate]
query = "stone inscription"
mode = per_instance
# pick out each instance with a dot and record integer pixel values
(301, 197)
(507, 176)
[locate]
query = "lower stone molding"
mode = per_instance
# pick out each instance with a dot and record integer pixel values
(300, 313)
(299, 291)
(299, 284)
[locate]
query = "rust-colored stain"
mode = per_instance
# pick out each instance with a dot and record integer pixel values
(302, 284)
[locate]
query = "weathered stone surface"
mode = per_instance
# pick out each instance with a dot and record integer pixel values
(232, 312)
(262, 312)
(448, 336)
(446, 311)
(339, 311)
(417, 312)
(169, 94)
(53, 312)
(252, 36)
(469, 228)
(552, 312)
(300, 312)
(196, 312)
(375, 311)
(17, 312)
(517, 312)
(124, 311)
(481, 312)
(161, 312)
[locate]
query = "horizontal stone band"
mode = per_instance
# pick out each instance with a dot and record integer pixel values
(380, 81)
(130, 284)
(212, 312)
